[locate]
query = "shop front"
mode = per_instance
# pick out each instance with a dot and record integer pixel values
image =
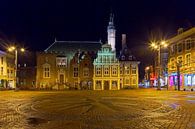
(173, 82)
(189, 81)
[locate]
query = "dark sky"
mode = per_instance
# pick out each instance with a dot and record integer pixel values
(36, 23)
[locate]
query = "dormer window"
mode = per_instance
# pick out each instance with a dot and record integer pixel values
(130, 57)
(122, 57)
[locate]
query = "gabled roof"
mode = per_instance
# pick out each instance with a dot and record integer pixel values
(126, 55)
(69, 48)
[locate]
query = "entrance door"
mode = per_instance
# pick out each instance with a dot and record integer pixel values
(61, 78)
(106, 85)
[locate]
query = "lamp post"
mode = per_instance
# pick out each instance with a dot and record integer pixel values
(10, 49)
(157, 46)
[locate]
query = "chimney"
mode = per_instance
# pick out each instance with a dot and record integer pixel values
(123, 41)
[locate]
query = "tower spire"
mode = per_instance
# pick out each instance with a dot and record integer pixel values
(111, 32)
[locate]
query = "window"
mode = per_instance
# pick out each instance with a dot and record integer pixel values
(127, 81)
(2, 60)
(172, 63)
(121, 70)
(123, 57)
(188, 44)
(127, 70)
(114, 70)
(86, 72)
(8, 73)
(106, 70)
(187, 59)
(175, 48)
(98, 70)
(179, 48)
(1, 70)
(179, 59)
(98, 84)
(130, 57)
(134, 70)
(61, 61)
(46, 71)
(134, 81)
(114, 84)
(172, 48)
(75, 72)
(193, 80)
(11, 73)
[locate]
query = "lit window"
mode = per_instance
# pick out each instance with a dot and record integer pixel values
(179, 59)
(189, 80)
(86, 72)
(126, 80)
(46, 71)
(134, 69)
(179, 48)
(75, 72)
(193, 80)
(106, 70)
(114, 70)
(61, 61)
(127, 70)
(188, 58)
(98, 70)
(188, 44)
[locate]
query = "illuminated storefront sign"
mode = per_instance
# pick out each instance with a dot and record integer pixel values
(173, 79)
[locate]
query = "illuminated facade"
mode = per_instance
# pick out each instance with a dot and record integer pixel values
(81, 69)
(129, 76)
(67, 64)
(86, 65)
(163, 67)
(181, 59)
(106, 74)
(7, 67)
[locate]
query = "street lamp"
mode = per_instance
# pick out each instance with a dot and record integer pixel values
(13, 48)
(147, 75)
(157, 46)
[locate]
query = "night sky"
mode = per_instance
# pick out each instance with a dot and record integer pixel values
(36, 23)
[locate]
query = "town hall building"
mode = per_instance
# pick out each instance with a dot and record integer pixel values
(89, 65)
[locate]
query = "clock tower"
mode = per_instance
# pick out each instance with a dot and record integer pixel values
(111, 32)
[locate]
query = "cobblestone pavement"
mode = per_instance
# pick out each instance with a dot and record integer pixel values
(125, 109)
